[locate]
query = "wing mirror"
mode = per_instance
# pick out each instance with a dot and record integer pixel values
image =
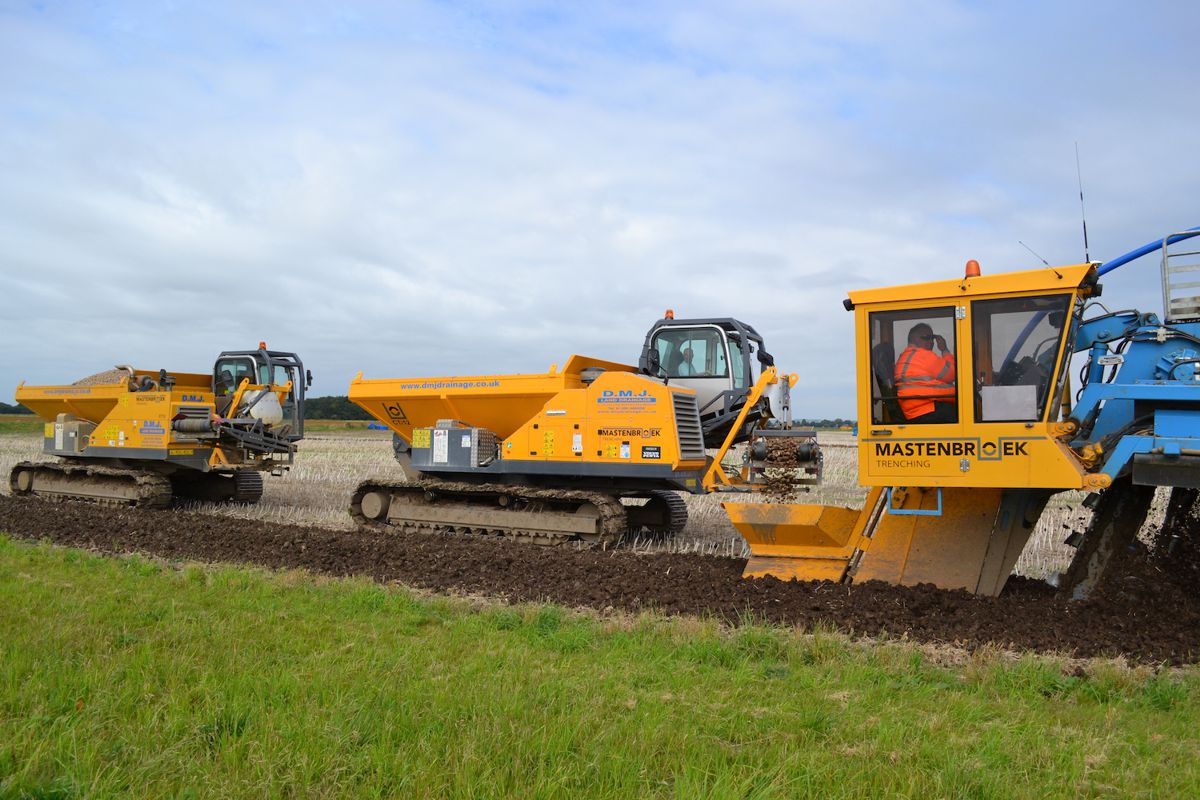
(654, 362)
(308, 379)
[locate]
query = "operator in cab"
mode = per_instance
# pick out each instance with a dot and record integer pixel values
(685, 368)
(925, 382)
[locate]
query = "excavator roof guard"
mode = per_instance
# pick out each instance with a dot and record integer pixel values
(735, 330)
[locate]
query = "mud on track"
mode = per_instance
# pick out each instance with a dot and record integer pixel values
(1150, 615)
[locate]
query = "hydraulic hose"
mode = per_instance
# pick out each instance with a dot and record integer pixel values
(1120, 261)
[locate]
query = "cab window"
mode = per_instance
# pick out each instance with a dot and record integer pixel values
(912, 380)
(738, 364)
(229, 373)
(1016, 342)
(692, 353)
(277, 376)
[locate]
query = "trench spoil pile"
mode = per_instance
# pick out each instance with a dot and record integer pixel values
(1159, 621)
(108, 376)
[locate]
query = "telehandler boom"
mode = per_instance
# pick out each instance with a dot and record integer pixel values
(144, 438)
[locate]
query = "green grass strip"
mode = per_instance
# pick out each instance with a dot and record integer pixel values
(122, 678)
(22, 423)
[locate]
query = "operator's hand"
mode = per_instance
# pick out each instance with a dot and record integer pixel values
(940, 341)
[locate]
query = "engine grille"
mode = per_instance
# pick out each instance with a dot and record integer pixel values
(687, 426)
(195, 412)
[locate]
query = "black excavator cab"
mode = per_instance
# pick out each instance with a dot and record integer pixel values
(716, 357)
(264, 367)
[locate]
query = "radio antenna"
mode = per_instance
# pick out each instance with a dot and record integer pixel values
(1030, 249)
(1082, 213)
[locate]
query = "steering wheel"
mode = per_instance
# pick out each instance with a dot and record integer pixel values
(1041, 344)
(1009, 373)
(1028, 369)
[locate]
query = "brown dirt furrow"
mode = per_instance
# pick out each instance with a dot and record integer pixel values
(1151, 617)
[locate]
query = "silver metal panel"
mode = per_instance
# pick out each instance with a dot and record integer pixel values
(1002, 403)
(687, 426)
(458, 447)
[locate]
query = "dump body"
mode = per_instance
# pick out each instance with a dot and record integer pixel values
(500, 403)
(110, 420)
(594, 418)
(96, 402)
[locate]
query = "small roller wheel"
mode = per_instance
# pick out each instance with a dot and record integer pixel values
(21, 481)
(375, 505)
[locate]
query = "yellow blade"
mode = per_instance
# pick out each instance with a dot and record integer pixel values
(972, 544)
(806, 542)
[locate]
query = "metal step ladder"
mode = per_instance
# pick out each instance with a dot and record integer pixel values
(1180, 279)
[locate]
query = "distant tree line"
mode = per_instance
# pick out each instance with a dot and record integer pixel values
(824, 423)
(332, 408)
(5, 408)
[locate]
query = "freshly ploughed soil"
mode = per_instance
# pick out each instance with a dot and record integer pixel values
(1149, 613)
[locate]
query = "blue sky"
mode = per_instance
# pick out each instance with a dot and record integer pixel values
(451, 188)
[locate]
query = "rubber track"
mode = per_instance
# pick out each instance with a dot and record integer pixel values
(248, 486)
(614, 522)
(677, 507)
(153, 489)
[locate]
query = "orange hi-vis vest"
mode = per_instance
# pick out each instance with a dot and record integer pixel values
(925, 378)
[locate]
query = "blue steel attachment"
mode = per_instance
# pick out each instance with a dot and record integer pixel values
(912, 512)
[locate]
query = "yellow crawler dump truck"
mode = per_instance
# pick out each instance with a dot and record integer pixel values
(143, 438)
(589, 452)
(968, 425)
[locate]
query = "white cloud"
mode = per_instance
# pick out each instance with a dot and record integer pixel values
(435, 190)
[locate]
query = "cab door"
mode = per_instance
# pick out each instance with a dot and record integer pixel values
(277, 375)
(1020, 365)
(228, 373)
(696, 358)
(913, 393)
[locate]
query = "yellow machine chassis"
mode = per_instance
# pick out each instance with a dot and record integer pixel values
(950, 504)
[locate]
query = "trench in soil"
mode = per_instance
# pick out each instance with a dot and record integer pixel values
(1149, 612)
